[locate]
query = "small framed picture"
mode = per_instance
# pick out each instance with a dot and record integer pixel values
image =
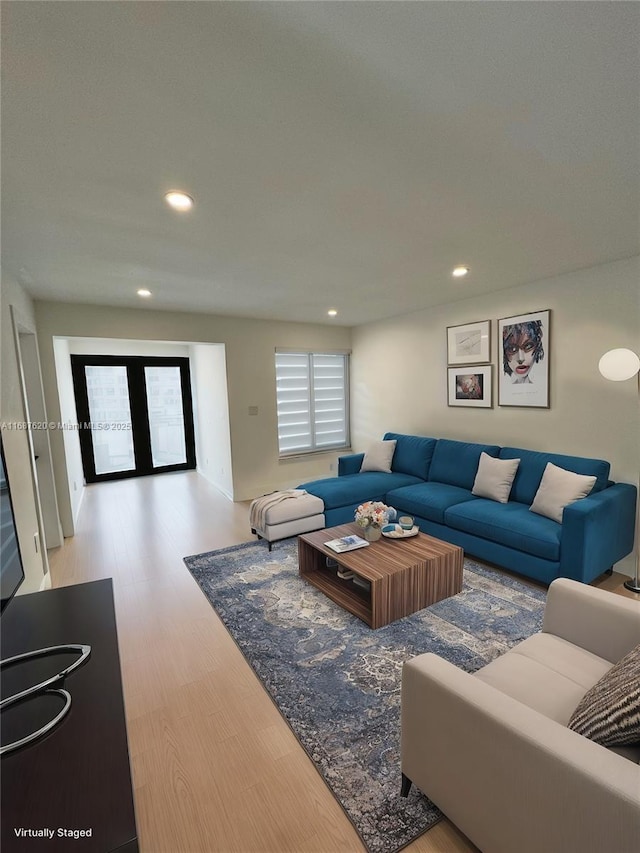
(469, 344)
(524, 352)
(471, 386)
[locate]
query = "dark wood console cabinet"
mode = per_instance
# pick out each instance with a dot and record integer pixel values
(77, 777)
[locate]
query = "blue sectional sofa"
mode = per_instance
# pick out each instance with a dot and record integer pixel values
(431, 479)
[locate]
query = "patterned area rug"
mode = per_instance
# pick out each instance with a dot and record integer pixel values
(337, 682)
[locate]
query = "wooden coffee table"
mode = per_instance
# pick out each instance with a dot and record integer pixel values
(397, 576)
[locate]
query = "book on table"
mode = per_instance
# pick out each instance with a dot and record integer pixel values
(346, 543)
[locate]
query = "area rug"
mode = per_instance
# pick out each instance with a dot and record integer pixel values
(337, 682)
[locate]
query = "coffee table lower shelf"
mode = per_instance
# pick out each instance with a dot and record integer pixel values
(350, 597)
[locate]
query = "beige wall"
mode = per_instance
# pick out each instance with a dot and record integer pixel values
(70, 437)
(250, 346)
(211, 414)
(109, 346)
(16, 441)
(399, 371)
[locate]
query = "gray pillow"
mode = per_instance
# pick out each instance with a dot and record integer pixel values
(609, 713)
(378, 457)
(494, 478)
(557, 489)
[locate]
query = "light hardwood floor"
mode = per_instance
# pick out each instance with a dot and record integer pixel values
(215, 767)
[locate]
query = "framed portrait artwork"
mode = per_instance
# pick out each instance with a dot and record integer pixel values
(470, 343)
(523, 353)
(470, 386)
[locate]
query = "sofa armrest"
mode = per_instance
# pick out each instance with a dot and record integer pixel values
(349, 464)
(597, 531)
(604, 623)
(508, 777)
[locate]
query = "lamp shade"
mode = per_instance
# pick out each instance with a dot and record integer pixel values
(619, 364)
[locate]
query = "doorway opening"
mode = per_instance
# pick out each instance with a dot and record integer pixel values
(135, 415)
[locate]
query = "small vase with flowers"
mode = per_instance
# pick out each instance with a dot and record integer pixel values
(372, 516)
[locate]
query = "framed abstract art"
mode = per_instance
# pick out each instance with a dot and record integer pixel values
(470, 386)
(469, 343)
(524, 354)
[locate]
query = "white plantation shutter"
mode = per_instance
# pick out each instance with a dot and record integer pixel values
(312, 400)
(329, 399)
(293, 397)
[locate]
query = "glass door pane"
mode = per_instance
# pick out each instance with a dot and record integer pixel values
(166, 416)
(110, 415)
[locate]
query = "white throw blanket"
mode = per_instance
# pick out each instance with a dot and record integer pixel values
(259, 506)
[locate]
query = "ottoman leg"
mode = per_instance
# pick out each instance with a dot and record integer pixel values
(260, 537)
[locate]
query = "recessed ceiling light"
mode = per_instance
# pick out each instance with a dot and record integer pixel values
(332, 312)
(460, 271)
(179, 200)
(144, 292)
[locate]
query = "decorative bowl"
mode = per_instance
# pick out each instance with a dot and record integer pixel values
(394, 531)
(405, 522)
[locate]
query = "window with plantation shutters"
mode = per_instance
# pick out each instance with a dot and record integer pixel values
(312, 399)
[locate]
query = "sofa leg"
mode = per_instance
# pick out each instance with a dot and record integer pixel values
(270, 543)
(609, 571)
(406, 786)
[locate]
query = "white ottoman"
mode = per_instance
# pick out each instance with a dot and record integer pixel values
(284, 514)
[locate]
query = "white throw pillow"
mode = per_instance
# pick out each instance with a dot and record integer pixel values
(494, 478)
(378, 457)
(557, 489)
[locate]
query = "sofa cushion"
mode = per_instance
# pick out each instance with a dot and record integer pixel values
(545, 673)
(580, 665)
(533, 463)
(609, 713)
(494, 478)
(558, 489)
(456, 462)
(356, 488)
(509, 524)
(413, 454)
(378, 457)
(429, 500)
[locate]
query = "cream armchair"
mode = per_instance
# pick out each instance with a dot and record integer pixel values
(492, 750)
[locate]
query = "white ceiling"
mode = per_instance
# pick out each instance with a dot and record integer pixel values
(341, 154)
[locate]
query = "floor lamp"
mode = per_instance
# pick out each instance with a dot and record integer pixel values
(618, 365)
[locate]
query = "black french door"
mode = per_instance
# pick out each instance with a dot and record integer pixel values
(135, 415)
